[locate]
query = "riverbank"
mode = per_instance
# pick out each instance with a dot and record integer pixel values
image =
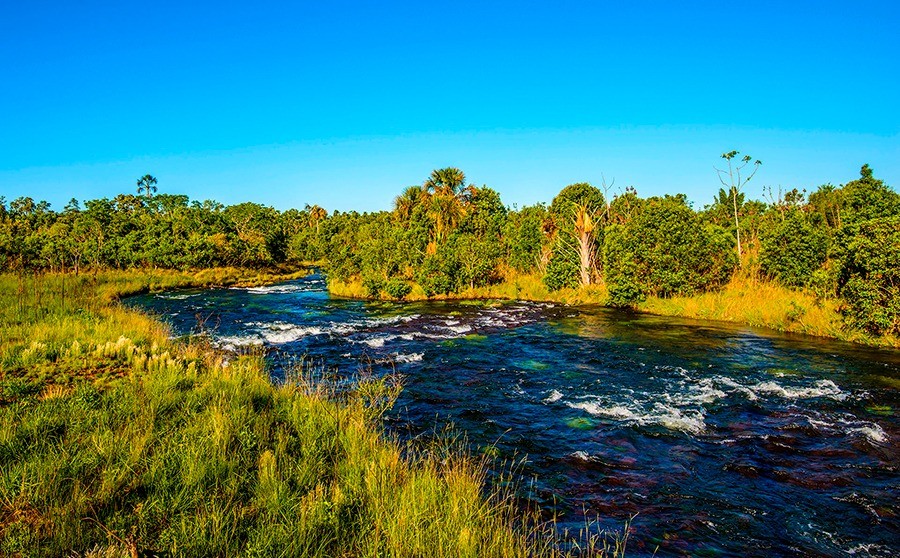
(742, 300)
(116, 439)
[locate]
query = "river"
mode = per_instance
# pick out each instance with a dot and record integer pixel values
(723, 439)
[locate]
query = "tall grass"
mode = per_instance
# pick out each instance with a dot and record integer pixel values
(116, 440)
(756, 302)
(746, 299)
(513, 286)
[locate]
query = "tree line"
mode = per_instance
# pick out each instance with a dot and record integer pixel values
(447, 235)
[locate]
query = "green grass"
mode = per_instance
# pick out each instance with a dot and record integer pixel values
(116, 440)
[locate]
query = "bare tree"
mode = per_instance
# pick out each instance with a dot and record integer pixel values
(606, 189)
(734, 183)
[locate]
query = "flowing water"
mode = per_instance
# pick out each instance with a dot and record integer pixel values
(725, 440)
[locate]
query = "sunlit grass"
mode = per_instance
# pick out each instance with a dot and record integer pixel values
(116, 440)
(513, 286)
(762, 303)
(745, 299)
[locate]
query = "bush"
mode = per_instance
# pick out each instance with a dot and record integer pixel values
(793, 251)
(439, 272)
(373, 286)
(869, 279)
(397, 288)
(562, 270)
(665, 250)
(622, 282)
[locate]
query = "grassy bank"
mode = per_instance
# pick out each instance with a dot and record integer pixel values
(512, 287)
(743, 300)
(116, 440)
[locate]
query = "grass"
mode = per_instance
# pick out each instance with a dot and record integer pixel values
(116, 440)
(513, 286)
(745, 300)
(761, 303)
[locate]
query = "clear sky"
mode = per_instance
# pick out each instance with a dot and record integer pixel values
(345, 103)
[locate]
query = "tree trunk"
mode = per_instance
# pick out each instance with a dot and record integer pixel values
(737, 227)
(585, 245)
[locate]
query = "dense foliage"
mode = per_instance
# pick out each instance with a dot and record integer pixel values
(448, 236)
(666, 250)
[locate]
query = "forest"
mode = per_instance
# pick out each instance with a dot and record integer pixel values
(446, 235)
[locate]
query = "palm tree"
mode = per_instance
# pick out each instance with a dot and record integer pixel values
(147, 185)
(584, 236)
(405, 203)
(446, 212)
(448, 181)
(316, 214)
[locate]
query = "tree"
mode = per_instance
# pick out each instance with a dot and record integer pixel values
(524, 237)
(316, 214)
(147, 185)
(869, 276)
(575, 211)
(665, 250)
(449, 181)
(584, 237)
(868, 198)
(794, 250)
(734, 183)
(406, 202)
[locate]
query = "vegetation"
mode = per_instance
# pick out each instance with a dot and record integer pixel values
(449, 238)
(116, 440)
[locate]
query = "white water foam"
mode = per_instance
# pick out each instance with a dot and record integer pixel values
(234, 342)
(177, 296)
(273, 289)
(412, 357)
(873, 432)
(823, 388)
(667, 416)
(553, 397)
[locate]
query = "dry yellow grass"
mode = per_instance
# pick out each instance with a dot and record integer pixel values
(512, 287)
(744, 300)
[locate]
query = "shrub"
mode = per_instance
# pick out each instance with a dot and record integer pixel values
(793, 251)
(562, 270)
(665, 250)
(869, 279)
(373, 286)
(397, 288)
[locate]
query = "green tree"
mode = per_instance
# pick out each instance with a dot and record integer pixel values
(794, 250)
(524, 238)
(449, 181)
(666, 250)
(576, 211)
(869, 276)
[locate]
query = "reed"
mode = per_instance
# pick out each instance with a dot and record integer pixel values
(116, 440)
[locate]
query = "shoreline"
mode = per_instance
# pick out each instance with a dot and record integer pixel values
(179, 451)
(741, 301)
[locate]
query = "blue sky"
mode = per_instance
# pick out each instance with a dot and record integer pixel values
(345, 103)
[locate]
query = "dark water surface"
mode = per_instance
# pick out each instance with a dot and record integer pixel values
(726, 440)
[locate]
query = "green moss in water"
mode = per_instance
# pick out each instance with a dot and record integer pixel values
(881, 410)
(580, 423)
(533, 365)
(890, 382)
